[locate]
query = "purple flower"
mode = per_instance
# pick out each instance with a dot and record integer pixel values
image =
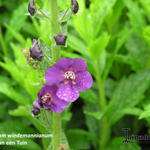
(71, 76)
(31, 8)
(60, 39)
(49, 100)
(36, 52)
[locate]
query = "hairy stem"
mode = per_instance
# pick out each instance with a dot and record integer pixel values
(56, 126)
(55, 29)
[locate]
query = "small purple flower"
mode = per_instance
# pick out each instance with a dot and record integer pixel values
(31, 8)
(71, 76)
(75, 5)
(60, 39)
(36, 52)
(49, 100)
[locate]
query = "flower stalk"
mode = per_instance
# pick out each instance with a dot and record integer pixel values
(55, 29)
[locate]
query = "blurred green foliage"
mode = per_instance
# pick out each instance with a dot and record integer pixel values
(114, 32)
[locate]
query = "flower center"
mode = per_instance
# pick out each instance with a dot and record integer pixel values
(70, 75)
(46, 98)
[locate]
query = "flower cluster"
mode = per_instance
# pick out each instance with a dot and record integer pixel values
(66, 78)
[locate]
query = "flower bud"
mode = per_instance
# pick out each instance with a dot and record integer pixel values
(36, 108)
(31, 8)
(60, 39)
(36, 52)
(75, 5)
(35, 111)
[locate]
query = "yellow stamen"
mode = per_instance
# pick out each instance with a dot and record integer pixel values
(66, 82)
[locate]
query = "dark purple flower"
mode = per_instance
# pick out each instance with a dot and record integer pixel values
(71, 76)
(75, 5)
(36, 52)
(31, 8)
(60, 39)
(49, 100)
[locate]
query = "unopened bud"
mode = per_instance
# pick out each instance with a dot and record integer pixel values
(60, 39)
(31, 8)
(36, 52)
(36, 108)
(35, 111)
(75, 5)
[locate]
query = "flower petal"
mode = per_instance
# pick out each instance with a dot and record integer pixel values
(54, 75)
(83, 81)
(79, 65)
(59, 102)
(64, 63)
(67, 93)
(55, 108)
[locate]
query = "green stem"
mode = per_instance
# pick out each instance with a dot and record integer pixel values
(102, 103)
(55, 28)
(56, 127)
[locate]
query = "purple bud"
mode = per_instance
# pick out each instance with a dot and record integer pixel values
(35, 111)
(36, 108)
(36, 52)
(31, 8)
(75, 5)
(60, 39)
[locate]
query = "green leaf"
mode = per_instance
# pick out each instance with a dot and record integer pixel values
(136, 17)
(46, 50)
(77, 44)
(138, 50)
(99, 11)
(145, 113)
(65, 15)
(84, 26)
(89, 96)
(97, 115)
(20, 70)
(79, 139)
(92, 123)
(146, 6)
(17, 21)
(98, 46)
(128, 94)
(47, 58)
(114, 14)
(45, 119)
(146, 34)
(7, 89)
(20, 111)
(3, 109)
(16, 34)
(133, 111)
